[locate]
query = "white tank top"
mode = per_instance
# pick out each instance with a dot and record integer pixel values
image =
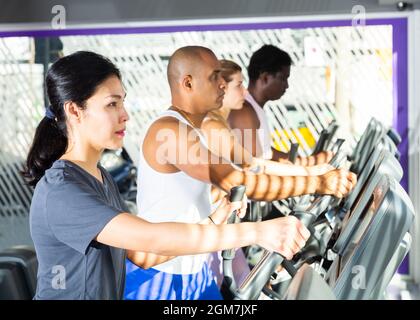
(173, 197)
(263, 132)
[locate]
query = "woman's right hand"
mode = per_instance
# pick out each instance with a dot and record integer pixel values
(286, 235)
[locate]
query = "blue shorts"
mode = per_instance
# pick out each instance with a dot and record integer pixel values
(152, 284)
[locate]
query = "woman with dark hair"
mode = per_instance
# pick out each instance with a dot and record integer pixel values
(80, 226)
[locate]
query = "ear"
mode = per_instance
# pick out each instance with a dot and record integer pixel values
(72, 111)
(187, 83)
(264, 77)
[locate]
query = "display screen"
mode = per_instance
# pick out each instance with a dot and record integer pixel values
(371, 208)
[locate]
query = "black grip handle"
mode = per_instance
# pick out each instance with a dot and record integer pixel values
(321, 142)
(337, 159)
(293, 152)
(237, 193)
(290, 268)
(332, 129)
(337, 145)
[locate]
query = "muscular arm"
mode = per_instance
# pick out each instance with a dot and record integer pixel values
(198, 162)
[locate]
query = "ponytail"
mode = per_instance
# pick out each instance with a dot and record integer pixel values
(49, 144)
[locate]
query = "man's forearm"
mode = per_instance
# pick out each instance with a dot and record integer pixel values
(265, 187)
(269, 188)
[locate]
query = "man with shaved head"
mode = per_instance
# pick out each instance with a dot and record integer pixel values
(176, 171)
(186, 68)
